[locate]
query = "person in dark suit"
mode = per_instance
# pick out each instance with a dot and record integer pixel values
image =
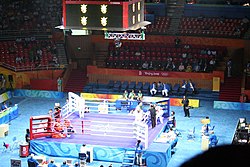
(27, 136)
(32, 162)
(152, 111)
(186, 107)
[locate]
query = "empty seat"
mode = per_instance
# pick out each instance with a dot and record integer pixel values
(117, 86)
(176, 88)
(131, 85)
(139, 86)
(124, 85)
(145, 88)
(169, 88)
(111, 84)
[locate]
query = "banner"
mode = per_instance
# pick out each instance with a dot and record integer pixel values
(153, 73)
(216, 84)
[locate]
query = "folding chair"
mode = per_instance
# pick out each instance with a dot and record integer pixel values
(15, 144)
(191, 134)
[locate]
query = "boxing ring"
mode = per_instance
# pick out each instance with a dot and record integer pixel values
(110, 135)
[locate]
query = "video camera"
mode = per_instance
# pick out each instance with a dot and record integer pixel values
(189, 107)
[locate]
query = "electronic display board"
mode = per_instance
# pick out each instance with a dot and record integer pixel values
(92, 16)
(102, 14)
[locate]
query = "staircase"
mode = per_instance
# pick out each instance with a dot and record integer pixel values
(175, 10)
(61, 54)
(100, 58)
(128, 159)
(231, 89)
(77, 81)
(247, 34)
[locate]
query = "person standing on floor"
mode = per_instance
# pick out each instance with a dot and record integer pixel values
(59, 84)
(152, 111)
(171, 119)
(27, 136)
(185, 103)
(139, 152)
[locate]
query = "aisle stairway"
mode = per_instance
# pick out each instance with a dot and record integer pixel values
(77, 81)
(230, 90)
(175, 10)
(128, 159)
(61, 54)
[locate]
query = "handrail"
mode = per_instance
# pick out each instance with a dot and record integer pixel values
(31, 68)
(24, 32)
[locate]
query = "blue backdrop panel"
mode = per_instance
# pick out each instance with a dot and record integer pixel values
(9, 114)
(158, 9)
(231, 105)
(103, 153)
(38, 93)
(158, 154)
(196, 10)
(71, 150)
(127, 105)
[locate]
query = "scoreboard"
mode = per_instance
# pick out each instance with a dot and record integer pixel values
(102, 15)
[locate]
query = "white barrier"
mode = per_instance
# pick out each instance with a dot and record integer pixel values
(75, 104)
(141, 132)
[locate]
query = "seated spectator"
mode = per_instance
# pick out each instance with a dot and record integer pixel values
(145, 65)
(168, 66)
(76, 164)
(173, 66)
(184, 84)
(190, 85)
(151, 65)
(197, 67)
(132, 95)
(125, 94)
(171, 137)
(153, 89)
(184, 55)
(213, 140)
(51, 163)
(64, 164)
(137, 53)
(186, 46)
(139, 95)
(177, 42)
(205, 68)
(181, 67)
(164, 90)
(189, 68)
(212, 64)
